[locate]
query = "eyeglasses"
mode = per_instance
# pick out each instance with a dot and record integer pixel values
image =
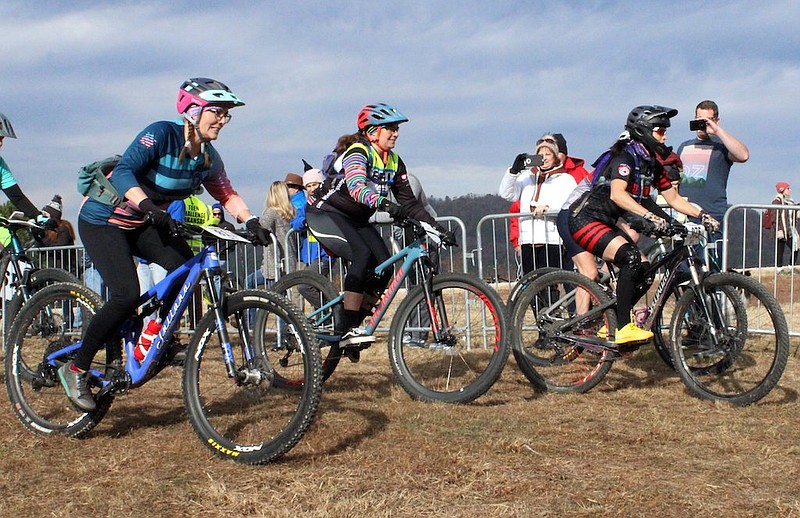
(660, 131)
(394, 128)
(216, 213)
(546, 139)
(221, 114)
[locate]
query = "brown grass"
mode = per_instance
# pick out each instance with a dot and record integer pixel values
(637, 445)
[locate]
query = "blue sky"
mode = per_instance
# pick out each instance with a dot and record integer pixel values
(480, 81)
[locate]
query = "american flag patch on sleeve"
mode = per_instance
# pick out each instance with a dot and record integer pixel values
(147, 140)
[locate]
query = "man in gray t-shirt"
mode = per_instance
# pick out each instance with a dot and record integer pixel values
(707, 162)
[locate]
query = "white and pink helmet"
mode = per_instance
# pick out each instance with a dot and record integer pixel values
(202, 91)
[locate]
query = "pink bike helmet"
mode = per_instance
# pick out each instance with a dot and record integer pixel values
(202, 91)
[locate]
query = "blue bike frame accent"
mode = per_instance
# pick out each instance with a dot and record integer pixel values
(189, 274)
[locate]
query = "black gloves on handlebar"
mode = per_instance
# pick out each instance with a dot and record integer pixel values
(639, 224)
(449, 238)
(660, 224)
(259, 234)
(709, 221)
(157, 216)
(397, 212)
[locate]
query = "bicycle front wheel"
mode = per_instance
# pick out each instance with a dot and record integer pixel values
(53, 319)
(553, 358)
(730, 340)
(472, 348)
(38, 279)
(252, 419)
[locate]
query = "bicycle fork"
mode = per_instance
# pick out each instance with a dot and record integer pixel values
(224, 338)
(436, 308)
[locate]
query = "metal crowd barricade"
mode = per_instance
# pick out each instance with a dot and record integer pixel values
(754, 253)
(752, 250)
(497, 252)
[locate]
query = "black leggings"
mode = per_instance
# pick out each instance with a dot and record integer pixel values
(112, 251)
(360, 243)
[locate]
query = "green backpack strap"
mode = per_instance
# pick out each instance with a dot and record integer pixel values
(93, 181)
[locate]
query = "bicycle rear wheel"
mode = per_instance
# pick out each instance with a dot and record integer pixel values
(731, 344)
(309, 291)
(252, 419)
(555, 359)
(471, 355)
(55, 318)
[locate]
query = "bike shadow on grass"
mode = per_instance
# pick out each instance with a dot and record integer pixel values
(126, 419)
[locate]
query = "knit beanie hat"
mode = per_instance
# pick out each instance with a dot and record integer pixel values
(561, 142)
(552, 147)
(781, 186)
(54, 208)
(312, 176)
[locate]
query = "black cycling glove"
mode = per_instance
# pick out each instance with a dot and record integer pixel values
(449, 238)
(259, 233)
(157, 216)
(397, 212)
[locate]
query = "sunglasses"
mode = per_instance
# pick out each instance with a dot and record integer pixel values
(660, 131)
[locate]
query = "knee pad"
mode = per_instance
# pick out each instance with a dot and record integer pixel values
(628, 256)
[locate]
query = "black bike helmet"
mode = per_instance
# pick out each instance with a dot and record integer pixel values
(641, 122)
(6, 130)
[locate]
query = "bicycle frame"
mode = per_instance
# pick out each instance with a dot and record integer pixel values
(176, 289)
(412, 253)
(19, 261)
(670, 261)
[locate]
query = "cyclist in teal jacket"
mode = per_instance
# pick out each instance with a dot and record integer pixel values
(167, 161)
(7, 181)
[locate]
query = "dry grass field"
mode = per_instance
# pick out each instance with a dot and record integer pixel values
(637, 445)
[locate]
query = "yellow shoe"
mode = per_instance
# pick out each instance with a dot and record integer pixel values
(631, 333)
(602, 332)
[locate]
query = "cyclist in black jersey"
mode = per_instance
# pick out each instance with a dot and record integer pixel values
(622, 189)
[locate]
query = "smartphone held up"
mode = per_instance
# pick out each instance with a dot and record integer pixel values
(697, 125)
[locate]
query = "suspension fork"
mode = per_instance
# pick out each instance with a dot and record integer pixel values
(217, 303)
(705, 299)
(435, 301)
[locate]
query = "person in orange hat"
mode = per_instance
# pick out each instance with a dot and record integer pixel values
(785, 226)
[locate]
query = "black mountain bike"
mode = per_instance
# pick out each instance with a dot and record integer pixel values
(21, 278)
(728, 337)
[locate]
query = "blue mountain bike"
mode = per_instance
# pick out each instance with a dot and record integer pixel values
(237, 400)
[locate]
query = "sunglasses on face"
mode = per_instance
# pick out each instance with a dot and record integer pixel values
(660, 131)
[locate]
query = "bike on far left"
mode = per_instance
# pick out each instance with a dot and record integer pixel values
(230, 389)
(21, 277)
